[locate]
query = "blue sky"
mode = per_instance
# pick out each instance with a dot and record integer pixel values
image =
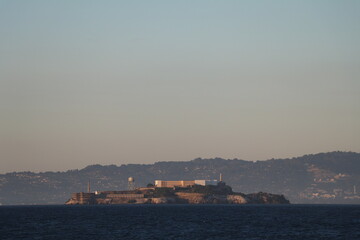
(114, 82)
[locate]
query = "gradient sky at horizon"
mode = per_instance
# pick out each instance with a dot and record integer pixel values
(113, 82)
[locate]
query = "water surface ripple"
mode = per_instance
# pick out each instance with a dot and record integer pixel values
(181, 222)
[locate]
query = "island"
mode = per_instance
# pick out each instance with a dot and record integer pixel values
(176, 192)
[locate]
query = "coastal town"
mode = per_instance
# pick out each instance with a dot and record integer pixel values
(311, 179)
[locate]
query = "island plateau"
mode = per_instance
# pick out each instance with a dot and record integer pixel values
(176, 192)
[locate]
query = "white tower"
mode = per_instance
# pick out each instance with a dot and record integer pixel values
(131, 183)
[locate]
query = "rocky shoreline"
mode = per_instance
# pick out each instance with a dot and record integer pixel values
(220, 194)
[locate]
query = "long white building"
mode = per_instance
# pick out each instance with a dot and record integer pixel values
(182, 183)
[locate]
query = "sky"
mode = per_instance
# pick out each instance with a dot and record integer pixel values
(115, 82)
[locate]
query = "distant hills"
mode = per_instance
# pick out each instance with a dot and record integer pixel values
(332, 177)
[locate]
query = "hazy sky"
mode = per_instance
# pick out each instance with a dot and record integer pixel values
(115, 82)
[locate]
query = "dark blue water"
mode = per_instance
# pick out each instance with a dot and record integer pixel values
(181, 222)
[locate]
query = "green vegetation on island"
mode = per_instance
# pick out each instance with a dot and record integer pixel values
(195, 194)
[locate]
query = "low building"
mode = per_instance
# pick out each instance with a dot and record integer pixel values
(83, 198)
(161, 183)
(182, 183)
(206, 182)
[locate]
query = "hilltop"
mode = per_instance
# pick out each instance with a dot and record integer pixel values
(332, 177)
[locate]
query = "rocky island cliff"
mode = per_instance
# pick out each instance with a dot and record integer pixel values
(196, 194)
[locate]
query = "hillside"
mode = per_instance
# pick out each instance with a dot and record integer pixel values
(320, 178)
